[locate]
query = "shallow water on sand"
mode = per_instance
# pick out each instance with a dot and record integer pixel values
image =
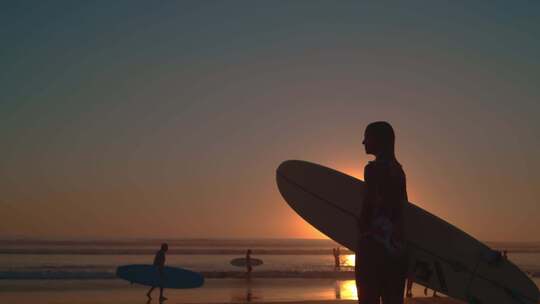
(75, 272)
(214, 291)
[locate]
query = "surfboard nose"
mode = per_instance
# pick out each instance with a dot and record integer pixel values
(291, 166)
(297, 171)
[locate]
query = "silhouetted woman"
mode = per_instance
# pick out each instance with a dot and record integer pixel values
(380, 258)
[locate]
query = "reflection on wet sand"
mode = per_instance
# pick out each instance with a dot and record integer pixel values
(342, 290)
(248, 296)
(345, 290)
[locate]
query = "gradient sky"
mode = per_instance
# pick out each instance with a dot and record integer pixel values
(168, 119)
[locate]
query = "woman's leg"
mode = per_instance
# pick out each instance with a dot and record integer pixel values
(394, 280)
(368, 272)
(150, 292)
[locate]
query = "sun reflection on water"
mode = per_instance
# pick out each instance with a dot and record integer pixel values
(346, 290)
(348, 260)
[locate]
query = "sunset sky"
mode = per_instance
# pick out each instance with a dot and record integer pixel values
(125, 119)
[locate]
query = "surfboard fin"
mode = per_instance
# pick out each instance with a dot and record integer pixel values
(493, 258)
(473, 300)
(515, 295)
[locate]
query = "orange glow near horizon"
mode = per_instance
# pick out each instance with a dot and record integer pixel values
(314, 233)
(305, 230)
(356, 171)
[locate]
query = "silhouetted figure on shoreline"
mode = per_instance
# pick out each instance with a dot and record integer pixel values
(380, 258)
(159, 263)
(249, 268)
(337, 263)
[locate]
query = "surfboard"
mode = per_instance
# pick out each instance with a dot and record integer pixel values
(148, 275)
(242, 262)
(441, 256)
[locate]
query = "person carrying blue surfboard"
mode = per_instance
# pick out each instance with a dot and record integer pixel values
(159, 263)
(380, 258)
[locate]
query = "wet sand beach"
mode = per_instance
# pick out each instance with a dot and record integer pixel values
(214, 291)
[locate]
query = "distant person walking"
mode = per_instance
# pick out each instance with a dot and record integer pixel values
(159, 263)
(337, 262)
(381, 260)
(249, 268)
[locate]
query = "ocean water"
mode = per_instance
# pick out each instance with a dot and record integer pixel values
(82, 272)
(83, 260)
(31, 260)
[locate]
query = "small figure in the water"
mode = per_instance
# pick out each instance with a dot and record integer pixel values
(337, 262)
(159, 263)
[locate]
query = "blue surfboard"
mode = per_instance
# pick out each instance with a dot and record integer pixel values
(148, 275)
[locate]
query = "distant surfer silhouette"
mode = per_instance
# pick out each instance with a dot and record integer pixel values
(249, 268)
(380, 260)
(337, 263)
(159, 263)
